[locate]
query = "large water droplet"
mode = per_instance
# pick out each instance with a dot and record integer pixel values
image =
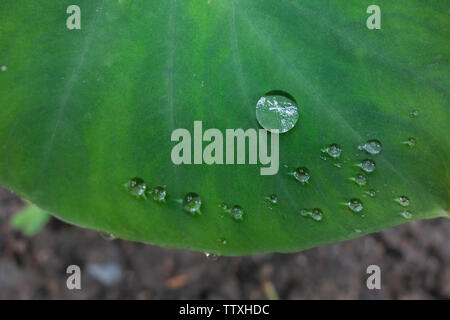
(403, 201)
(360, 179)
(159, 194)
(277, 110)
(372, 147)
(136, 188)
(334, 151)
(315, 214)
(355, 205)
(192, 203)
(237, 213)
(302, 174)
(211, 256)
(368, 165)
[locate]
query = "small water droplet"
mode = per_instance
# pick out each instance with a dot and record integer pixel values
(159, 194)
(107, 236)
(411, 142)
(334, 151)
(211, 256)
(415, 113)
(224, 242)
(372, 193)
(302, 175)
(355, 205)
(315, 214)
(368, 165)
(360, 179)
(358, 230)
(277, 110)
(4, 68)
(338, 165)
(372, 146)
(223, 206)
(403, 201)
(192, 203)
(237, 213)
(136, 188)
(273, 198)
(406, 214)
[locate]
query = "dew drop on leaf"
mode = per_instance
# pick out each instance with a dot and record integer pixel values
(355, 205)
(368, 166)
(277, 110)
(411, 142)
(159, 194)
(302, 175)
(372, 147)
(360, 179)
(403, 201)
(4, 68)
(273, 198)
(136, 187)
(415, 113)
(237, 213)
(334, 151)
(192, 203)
(406, 214)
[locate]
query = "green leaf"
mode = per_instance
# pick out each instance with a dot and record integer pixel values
(83, 111)
(30, 220)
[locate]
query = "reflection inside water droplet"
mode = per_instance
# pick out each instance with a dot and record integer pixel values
(277, 110)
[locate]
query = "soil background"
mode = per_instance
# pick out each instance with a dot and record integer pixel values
(414, 261)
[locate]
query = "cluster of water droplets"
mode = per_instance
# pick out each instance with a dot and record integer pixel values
(405, 203)
(138, 189)
(316, 214)
(236, 211)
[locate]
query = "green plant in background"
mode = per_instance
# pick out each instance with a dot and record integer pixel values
(83, 112)
(30, 220)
